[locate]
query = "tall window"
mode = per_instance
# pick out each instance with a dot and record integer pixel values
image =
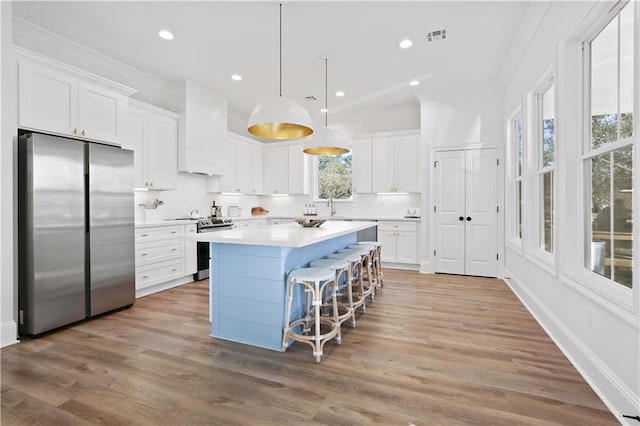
(608, 159)
(516, 144)
(547, 163)
(334, 177)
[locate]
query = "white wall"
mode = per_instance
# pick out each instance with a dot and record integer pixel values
(7, 139)
(458, 119)
(599, 336)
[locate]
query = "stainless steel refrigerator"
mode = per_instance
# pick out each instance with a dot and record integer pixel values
(75, 230)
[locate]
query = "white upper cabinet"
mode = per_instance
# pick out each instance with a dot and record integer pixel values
(298, 180)
(203, 129)
(152, 133)
(395, 164)
(362, 170)
(242, 172)
(276, 170)
(61, 99)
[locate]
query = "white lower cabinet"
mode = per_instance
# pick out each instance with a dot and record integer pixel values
(250, 223)
(399, 241)
(162, 254)
(190, 251)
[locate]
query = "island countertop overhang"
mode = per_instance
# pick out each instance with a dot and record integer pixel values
(283, 235)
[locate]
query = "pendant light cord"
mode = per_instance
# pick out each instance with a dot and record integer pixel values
(326, 104)
(280, 49)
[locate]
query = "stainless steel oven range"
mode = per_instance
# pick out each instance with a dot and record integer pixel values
(211, 224)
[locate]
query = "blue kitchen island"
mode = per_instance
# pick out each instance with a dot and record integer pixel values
(248, 273)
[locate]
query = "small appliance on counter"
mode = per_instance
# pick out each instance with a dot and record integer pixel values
(235, 211)
(258, 211)
(412, 213)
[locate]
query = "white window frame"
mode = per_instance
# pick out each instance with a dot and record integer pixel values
(514, 240)
(606, 288)
(316, 187)
(534, 246)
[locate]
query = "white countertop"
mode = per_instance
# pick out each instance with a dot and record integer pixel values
(166, 222)
(396, 218)
(284, 235)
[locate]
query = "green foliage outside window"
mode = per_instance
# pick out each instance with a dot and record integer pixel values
(334, 177)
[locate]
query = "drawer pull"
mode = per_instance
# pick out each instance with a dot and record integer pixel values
(145, 254)
(174, 232)
(173, 270)
(174, 249)
(144, 277)
(144, 235)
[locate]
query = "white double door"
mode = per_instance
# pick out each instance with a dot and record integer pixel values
(466, 212)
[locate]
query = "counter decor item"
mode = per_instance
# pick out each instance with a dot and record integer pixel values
(151, 209)
(234, 211)
(258, 211)
(310, 223)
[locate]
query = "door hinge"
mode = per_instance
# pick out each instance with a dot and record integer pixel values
(497, 256)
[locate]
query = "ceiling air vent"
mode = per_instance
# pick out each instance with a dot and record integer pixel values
(437, 35)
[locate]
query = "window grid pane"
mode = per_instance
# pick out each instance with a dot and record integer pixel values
(334, 177)
(547, 216)
(548, 128)
(612, 120)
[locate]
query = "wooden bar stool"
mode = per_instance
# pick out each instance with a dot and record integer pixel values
(354, 278)
(340, 268)
(377, 260)
(368, 274)
(314, 282)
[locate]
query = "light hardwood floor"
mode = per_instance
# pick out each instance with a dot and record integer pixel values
(431, 350)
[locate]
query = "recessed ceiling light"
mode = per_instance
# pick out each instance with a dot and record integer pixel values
(165, 35)
(324, 110)
(236, 77)
(414, 82)
(405, 43)
(339, 93)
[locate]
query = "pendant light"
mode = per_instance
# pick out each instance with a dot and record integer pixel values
(280, 118)
(326, 140)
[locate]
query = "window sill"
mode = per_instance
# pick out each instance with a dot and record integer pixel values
(543, 260)
(615, 298)
(514, 244)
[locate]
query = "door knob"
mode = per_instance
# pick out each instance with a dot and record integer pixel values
(461, 218)
(468, 218)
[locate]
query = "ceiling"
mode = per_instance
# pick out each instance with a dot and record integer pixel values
(214, 40)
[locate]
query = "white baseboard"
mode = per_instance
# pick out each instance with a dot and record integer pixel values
(163, 286)
(425, 268)
(404, 266)
(618, 398)
(9, 333)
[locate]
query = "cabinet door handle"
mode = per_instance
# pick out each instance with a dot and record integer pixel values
(468, 218)
(174, 249)
(174, 232)
(173, 270)
(144, 277)
(145, 254)
(144, 235)
(83, 132)
(75, 131)
(461, 218)
(150, 183)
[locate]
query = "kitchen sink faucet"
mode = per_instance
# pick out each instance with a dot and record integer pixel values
(330, 204)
